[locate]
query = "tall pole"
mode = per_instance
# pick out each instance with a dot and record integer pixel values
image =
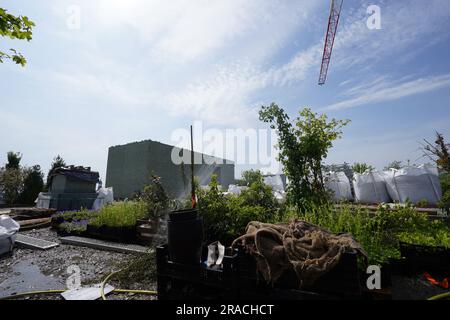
(194, 200)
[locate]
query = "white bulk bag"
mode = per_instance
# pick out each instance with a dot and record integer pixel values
(339, 185)
(43, 201)
(415, 184)
(8, 231)
(104, 196)
(370, 187)
(275, 182)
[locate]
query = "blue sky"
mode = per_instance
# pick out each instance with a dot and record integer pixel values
(140, 69)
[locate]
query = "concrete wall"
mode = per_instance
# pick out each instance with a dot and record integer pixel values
(130, 167)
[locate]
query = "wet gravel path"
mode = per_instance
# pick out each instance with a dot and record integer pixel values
(32, 270)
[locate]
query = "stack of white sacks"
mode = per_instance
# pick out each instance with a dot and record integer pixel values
(412, 184)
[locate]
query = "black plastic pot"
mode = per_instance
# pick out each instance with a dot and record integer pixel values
(185, 236)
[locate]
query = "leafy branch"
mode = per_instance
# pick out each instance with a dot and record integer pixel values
(15, 27)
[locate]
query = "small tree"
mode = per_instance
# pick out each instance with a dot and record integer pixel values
(33, 184)
(156, 198)
(303, 147)
(362, 167)
(11, 181)
(11, 178)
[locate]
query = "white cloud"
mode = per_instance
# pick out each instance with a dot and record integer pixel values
(103, 86)
(222, 99)
(229, 44)
(185, 30)
(382, 91)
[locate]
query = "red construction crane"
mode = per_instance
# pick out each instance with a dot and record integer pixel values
(333, 21)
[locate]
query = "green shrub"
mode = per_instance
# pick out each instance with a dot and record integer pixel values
(379, 233)
(213, 207)
(226, 217)
(445, 183)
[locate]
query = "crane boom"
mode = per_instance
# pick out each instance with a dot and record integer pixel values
(333, 22)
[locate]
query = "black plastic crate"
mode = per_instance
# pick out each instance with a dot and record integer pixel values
(419, 258)
(239, 279)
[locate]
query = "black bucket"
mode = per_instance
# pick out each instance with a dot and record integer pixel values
(185, 236)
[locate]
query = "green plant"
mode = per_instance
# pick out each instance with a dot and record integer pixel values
(121, 214)
(362, 167)
(226, 217)
(445, 184)
(212, 206)
(423, 203)
(303, 146)
(438, 152)
(82, 214)
(14, 159)
(11, 182)
(12, 177)
(394, 165)
(15, 27)
(141, 269)
(252, 176)
(74, 227)
(156, 198)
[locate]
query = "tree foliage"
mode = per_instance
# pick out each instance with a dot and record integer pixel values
(14, 159)
(303, 146)
(438, 152)
(11, 182)
(156, 198)
(252, 176)
(394, 165)
(15, 27)
(226, 217)
(33, 184)
(58, 162)
(362, 167)
(11, 178)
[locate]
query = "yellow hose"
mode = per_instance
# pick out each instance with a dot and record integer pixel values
(102, 286)
(440, 296)
(33, 293)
